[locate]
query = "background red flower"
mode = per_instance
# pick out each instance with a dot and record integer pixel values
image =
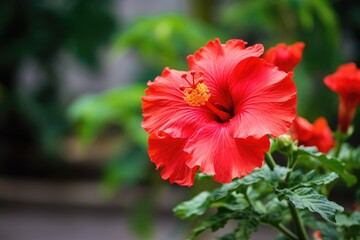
(285, 57)
(318, 134)
(346, 82)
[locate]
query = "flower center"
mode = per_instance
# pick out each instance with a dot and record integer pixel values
(197, 94)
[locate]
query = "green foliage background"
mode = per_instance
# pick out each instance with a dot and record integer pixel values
(39, 122)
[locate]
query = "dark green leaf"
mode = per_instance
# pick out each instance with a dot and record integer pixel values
(275, 176)
(272, 177)
(313, 178)
(351, 156)
(229, 236)
(349, 226)
(310, 156)
(327, 230)
(348, 221)
(295, 178)
(237, 202)
(196, 206)
(277, 211)
(308, 198)
(214, 223)
(248, 222)
(254, 177)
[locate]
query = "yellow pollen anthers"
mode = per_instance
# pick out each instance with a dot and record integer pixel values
(197, 94)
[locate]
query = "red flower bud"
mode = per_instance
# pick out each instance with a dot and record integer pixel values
(285, 57)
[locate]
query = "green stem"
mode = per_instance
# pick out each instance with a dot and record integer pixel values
(292, 159)
(341, 138)
(248, 199)
(298, 222)
(270, 161)
(339, 143)
(286, 231)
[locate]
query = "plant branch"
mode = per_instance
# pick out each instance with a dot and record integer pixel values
(248, 199)
(339, 144)
(298, 222)
(285, 231)
(270, 161)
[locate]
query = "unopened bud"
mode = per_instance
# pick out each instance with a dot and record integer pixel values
(284, 141)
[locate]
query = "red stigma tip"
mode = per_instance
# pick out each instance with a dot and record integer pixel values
(184, 75)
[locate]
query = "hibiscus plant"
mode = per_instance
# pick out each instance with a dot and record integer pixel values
(232, 117)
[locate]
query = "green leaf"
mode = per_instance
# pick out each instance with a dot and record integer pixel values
(229, 236)
(226, 189)
(248, 222)
(310, 156)
(295, 178)
(275, 176)
(312, 178)
(214, 223)
(276, 211)
(272, 177)
(348, 221)
(327, 230)
(351, 156)
(308, 198)
(196, 206)
(349, 226)
(236, 202)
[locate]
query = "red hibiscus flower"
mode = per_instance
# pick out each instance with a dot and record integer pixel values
(346, 82)
(285, 57)
(217, 116)
(318, 134)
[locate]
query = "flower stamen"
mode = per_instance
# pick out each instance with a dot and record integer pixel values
(197, 93)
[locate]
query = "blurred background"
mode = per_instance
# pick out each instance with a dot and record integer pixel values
(73, 157)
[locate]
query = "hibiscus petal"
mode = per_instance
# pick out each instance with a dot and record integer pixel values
(214, 149)
(264, 99)
(167, 153)
(165, 110)
(217, 61)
